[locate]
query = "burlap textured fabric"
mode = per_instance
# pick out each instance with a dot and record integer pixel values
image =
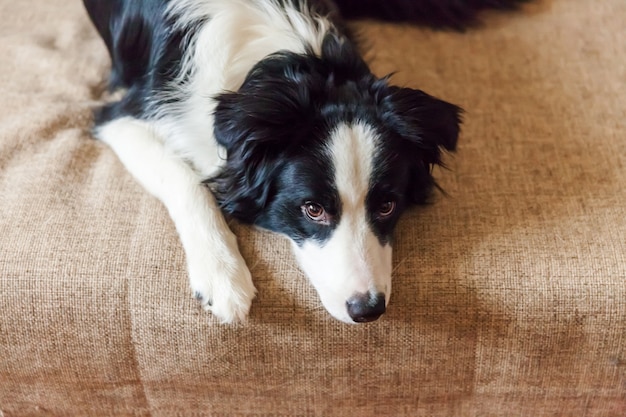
(509, 295)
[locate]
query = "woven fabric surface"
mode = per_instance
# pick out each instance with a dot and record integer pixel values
(509, 294)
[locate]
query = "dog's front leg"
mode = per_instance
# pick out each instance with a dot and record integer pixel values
(218, 274)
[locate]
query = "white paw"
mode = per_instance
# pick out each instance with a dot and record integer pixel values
(223, 286)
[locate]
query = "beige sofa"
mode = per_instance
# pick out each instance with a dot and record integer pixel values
(509, 295)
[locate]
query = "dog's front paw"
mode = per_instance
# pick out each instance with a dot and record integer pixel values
(223, 286)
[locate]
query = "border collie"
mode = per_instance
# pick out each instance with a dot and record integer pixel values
(264, 111)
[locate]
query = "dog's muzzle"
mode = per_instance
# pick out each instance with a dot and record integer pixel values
(363, 308)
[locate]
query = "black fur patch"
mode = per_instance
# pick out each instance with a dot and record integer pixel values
(146, 53)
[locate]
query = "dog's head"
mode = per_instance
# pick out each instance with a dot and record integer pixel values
(325, 153)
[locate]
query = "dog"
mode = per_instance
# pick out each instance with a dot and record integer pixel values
(265, 111)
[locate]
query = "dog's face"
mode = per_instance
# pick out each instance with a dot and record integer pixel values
(325, 153)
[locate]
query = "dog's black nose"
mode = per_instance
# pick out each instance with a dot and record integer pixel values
(366, 307)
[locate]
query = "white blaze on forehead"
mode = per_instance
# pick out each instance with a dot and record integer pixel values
(352, 150)
(352, 261)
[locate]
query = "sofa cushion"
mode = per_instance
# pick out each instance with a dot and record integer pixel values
(509, 293)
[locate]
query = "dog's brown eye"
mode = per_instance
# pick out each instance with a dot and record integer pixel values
(314, 212)
(387, 208)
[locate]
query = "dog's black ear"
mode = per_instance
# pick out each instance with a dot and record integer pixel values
(272, 103)
(427, 126)
(263, 114)
(266, 118)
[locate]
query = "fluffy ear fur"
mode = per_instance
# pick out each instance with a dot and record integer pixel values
(268, 116)
(429, 126)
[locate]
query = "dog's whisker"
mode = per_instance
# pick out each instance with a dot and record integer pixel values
(253, 267)
(399, 264)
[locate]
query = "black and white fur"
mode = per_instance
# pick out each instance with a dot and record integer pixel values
(265, 111)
